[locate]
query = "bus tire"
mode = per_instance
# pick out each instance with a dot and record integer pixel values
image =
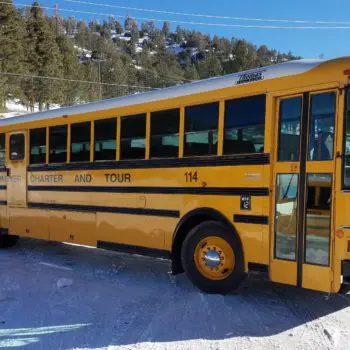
(212, 258)
(8, 241)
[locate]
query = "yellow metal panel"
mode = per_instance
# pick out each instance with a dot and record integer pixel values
(221, 126)
(73, 227)
(227, 176)
(283, 271)
(182, 132)
(148, 134)
(29, 223)
(317, 278)
(3, 216)
(138, 230)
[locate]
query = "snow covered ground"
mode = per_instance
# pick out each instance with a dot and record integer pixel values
(15, 108)
(57, 296)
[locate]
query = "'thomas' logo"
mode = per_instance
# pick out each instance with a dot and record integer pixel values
(250, 77)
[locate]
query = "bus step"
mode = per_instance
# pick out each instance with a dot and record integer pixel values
(260, 271)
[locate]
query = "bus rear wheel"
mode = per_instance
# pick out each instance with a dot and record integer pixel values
(8, 241)
(212, 258)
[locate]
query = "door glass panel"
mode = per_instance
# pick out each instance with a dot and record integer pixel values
(321, 135)
(286, 216)
(318, 218)
(289, 129)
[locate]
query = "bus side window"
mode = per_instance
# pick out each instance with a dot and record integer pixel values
(38, 146)
(105, 139)
(244, 128)
(2, 150)
(58, 144)
(80, 142)
(17, 146)
(165, 127)
(133, 137)
(201, 129)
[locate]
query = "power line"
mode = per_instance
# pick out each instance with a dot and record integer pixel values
(188, 22)
(205, 15)
(77, 81)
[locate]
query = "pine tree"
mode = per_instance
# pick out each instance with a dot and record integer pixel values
(191, 73)
(43, 57)
(70, 92)
(71, 26)
(12, 46)
(129, 24)
(134, 39)
(180, 35)
(118, 27)
(210, 67)
(166, 28)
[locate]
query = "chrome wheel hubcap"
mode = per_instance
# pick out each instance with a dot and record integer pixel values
(212, 258)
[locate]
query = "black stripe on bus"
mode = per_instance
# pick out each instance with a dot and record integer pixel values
(221, 191)
(3, 202)
(104, 209)
(247, 159)
(251, 219)
(3, 187)
(132, 249)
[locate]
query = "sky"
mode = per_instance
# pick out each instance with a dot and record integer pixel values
(308, 43)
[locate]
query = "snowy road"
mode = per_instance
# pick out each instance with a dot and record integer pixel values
(120, 301)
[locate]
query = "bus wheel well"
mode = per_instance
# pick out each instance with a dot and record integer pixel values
(186, 224)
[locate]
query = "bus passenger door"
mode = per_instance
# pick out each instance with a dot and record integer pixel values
(303, 182)
(16, 169)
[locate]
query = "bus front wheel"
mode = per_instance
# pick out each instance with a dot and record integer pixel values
(212, 258)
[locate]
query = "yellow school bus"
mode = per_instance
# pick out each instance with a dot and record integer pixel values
(225, 176)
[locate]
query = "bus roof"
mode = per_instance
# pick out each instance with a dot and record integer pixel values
(245, 77)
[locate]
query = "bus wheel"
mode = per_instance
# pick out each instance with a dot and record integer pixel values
(7, 241)
(212, 258)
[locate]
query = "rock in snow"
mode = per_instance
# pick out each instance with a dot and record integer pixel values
(64, 282)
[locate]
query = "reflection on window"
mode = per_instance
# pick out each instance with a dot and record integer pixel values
(133, 137)
(346, 160)
(105, 139)
(318, 218)
(201, 129)
(289, 129)
(58, 144)
(286, 216)
(17, 147)
(244, 125)
(80, 142)
(165, 133)
(2, 150)
(321, 137)
(38, 146)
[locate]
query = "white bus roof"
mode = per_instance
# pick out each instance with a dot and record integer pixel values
(245, 77)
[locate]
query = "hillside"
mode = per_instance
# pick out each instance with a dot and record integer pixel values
(92, 61)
